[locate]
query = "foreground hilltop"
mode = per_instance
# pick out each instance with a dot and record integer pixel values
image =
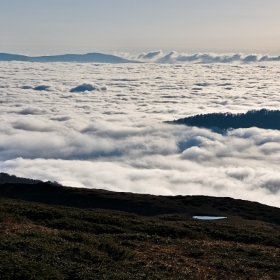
(48, 231)
(140, 204)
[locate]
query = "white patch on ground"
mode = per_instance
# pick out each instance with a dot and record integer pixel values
(208, 218)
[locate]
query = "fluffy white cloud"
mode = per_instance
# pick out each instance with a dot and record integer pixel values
(151, 55)
(116, 139)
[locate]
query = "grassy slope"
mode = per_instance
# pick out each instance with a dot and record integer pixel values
(155, 238)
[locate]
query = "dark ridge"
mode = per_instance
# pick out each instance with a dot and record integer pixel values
(141, 204)
(89, 57)
(5, 178)
(267, 119)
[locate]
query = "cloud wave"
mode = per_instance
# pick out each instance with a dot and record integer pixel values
(173, 57)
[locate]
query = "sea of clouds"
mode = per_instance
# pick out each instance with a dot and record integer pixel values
(102, 126)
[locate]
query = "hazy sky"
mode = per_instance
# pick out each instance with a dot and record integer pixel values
(78, 26)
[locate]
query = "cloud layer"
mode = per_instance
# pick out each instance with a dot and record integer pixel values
(174, 57)
(116, 139)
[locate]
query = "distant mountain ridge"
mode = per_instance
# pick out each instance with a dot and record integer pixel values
(89, 57)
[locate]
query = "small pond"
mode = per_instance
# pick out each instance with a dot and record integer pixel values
(208, 218)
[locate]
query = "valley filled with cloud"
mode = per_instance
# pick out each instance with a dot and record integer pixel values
(103, 125)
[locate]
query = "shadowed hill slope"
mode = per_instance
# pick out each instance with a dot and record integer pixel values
(40, 241)
(141, 204)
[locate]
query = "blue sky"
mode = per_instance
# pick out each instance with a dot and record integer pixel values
(37, 27)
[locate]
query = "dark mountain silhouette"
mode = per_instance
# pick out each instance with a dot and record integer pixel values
(267, 119)
(5, 178)
(89, 57)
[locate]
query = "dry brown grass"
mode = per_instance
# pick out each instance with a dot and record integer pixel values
(195, 264)
(8, 227)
